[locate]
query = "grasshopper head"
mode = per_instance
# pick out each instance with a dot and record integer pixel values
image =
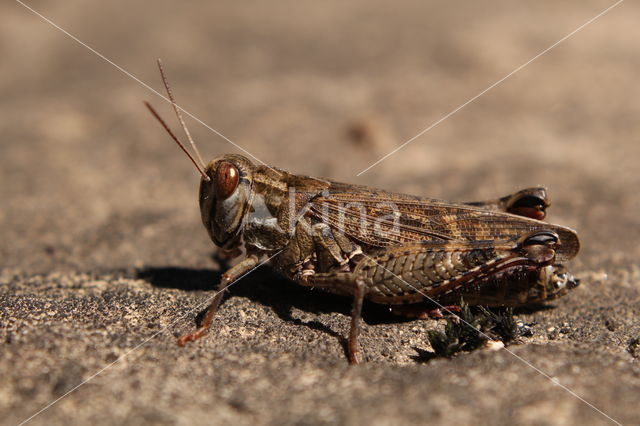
(224, 196)
(225, 186)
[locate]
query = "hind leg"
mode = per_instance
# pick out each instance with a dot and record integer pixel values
(529, 202)
(424, 312)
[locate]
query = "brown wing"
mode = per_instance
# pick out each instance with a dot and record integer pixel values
(380, 219)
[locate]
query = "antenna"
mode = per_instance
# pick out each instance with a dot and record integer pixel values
(176, 108)
(175, 138)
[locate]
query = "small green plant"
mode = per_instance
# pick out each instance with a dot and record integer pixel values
(470, 330)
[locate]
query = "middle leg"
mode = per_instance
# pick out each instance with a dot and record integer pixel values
(344, 283)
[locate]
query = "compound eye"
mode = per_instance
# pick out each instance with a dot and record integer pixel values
(226, 180)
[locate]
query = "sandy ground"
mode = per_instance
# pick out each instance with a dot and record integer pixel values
(104, 259)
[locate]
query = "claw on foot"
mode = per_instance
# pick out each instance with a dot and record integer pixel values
(191, 337)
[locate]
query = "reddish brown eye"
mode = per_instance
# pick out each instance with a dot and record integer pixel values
(226, 180)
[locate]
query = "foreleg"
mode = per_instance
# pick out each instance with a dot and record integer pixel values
(228, 277)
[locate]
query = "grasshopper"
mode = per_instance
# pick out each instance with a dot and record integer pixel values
(408, 252)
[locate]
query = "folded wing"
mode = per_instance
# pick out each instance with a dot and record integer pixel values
(377, 218)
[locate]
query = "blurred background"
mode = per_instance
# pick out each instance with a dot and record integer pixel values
(90, 184)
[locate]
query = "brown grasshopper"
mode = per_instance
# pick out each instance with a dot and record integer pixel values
(412, 253)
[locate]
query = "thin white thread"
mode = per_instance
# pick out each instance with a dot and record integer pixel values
(141, 344)
(363, 171)
(127, 73)
(555, 382)
(491, 87)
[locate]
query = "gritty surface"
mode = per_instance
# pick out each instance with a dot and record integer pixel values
(104, 260)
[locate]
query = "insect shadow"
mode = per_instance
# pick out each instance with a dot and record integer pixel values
(179, 278)
(266, 287)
